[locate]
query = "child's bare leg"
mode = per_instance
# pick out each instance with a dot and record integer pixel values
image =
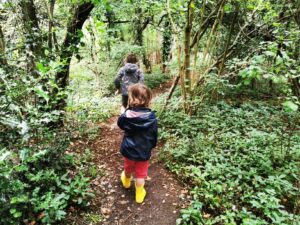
(140, 191)
(128, 175)
(140, 182)
(126, 179)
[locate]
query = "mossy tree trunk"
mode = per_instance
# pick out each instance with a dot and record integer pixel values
(32, 35)
(3, 60)
(166, 44)
(69, 46)
(140, 26)
(187, 53)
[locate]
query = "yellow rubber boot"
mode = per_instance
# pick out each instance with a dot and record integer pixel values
(140, 194)
(125, 181)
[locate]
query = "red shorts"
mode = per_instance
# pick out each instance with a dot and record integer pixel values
(140, 168)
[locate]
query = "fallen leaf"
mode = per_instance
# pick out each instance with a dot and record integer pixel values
(184, 191)
(206, 215)
(105, 210)
(41, 215)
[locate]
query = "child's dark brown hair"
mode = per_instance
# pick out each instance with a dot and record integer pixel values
(139, 95)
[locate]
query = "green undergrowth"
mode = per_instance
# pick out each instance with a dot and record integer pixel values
(156, 78)
(89, 102)
(41, 179)
(39, 176)
(84, 116)
(241, 160)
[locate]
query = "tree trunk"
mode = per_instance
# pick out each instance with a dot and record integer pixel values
(3, 60)
(140, 26)
(110, 24)
(32, 34)
(167, 41)
(72, 38)
(177, 44)
(50, 25)
(233, 22)
(296, 81)
(187, 49)
(171, 91)
(212, 37)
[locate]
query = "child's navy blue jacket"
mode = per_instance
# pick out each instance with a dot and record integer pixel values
(140, 134)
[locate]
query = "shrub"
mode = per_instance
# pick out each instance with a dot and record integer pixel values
(241, 159)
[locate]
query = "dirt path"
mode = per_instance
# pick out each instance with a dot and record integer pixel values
(116, 205)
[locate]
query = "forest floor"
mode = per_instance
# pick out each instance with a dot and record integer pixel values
(115, 205)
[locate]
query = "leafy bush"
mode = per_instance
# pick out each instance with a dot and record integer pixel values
(268, 72)
(120, 51)
(241, 159)
(37, 181)
(156, 78)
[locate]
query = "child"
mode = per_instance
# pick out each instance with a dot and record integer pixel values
(128, 75)
(140, 137)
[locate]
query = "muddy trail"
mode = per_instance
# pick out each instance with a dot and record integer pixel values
(115, 205)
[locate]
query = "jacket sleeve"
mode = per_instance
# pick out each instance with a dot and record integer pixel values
(155, 134)
(141, 77)
(119, 78)
(121, 121)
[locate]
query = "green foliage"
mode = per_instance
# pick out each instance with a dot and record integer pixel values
(121, 50)
(87, 104)
(241, 159)
(290, 106)
(270, 66)
(35, 180)
(156, 78)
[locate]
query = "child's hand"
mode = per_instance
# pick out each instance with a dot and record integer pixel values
(122, 110)
(117, 92)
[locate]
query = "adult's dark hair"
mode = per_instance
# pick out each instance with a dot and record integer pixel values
(131, 58)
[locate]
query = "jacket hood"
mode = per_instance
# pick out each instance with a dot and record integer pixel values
(140, 123)
(130, 67)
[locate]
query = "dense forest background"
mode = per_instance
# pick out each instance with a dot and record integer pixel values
(230, 120)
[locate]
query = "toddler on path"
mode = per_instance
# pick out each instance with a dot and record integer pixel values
(140, 137)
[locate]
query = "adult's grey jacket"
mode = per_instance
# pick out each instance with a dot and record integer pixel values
(128, 75)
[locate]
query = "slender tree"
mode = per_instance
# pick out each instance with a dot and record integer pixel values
(70, 42)
(3, 60)
(166, 44)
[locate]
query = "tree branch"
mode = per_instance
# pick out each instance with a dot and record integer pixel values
(117, 21)
(205, 23)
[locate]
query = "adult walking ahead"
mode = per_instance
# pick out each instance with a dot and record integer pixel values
(129, 74)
